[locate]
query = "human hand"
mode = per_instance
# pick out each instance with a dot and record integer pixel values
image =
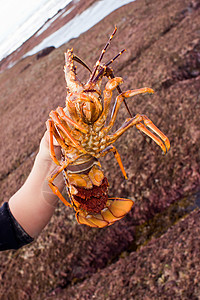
(44, 150)
(35, 200)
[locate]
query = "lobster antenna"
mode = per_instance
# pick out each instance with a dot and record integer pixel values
(118, 88)
(104, 68)
(111, 61)
(81, 62)
(93, 78)
(112, 76)
(102, 54)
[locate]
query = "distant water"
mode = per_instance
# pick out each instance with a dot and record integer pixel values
(80, 23)
(31, 16)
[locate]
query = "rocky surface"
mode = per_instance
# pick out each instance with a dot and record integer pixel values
(69, 261)
(167, 268)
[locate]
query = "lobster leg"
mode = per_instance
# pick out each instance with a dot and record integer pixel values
(55, 188)
(111, 75)
(136, 121)
(64, 117)
(120, 99)
(52, 132)
(57, 121)
(110, 86)
(111, 148)
(150, 124)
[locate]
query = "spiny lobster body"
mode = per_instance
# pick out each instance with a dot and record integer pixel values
(80, 130)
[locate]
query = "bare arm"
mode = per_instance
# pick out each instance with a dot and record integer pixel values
(34, 203)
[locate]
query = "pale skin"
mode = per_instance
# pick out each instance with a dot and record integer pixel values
(34, 203)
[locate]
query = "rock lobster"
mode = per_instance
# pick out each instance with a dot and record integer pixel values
(80, 130)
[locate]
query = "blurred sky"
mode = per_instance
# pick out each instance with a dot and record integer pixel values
(19, 19)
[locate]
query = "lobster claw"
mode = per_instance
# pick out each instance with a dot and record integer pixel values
(116, 209)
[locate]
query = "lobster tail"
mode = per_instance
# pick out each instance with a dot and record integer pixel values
(116, 209)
